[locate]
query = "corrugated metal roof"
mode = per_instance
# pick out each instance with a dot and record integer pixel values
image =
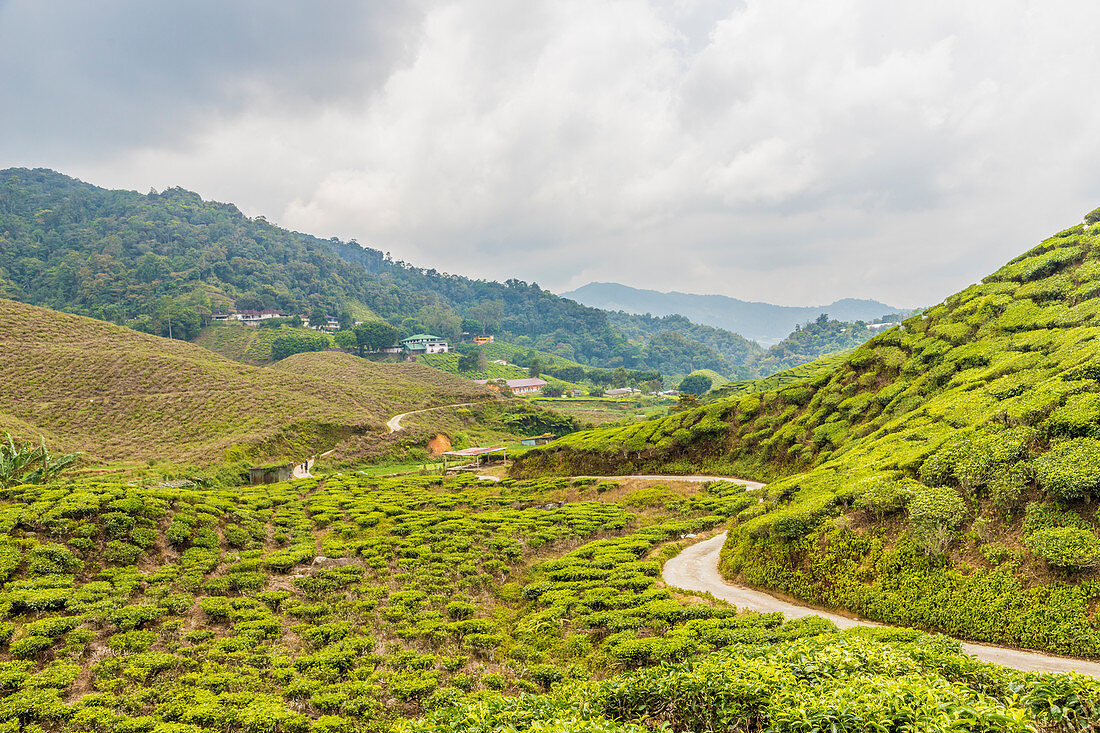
(529, 382)
(472, 451)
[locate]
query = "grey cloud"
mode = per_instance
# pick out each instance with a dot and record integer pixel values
(779, 150)
(89, 78)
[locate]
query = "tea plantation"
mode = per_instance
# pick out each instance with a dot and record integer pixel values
(348, 604)
(942, 476)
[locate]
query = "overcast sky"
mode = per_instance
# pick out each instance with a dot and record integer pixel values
(791, 151)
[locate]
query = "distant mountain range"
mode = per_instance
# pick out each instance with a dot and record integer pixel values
(764, 323)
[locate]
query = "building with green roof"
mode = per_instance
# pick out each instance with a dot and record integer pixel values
(424, 343)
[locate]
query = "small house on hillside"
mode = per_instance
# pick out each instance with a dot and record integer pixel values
(424, 343)
(531, 385)
(479, 340)
(622, 392)
(538, 439)
(251, 318)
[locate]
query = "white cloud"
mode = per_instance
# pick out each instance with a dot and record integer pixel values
(779, 150)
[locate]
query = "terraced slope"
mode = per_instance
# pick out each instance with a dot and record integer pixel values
(943, 476)
(119, 394)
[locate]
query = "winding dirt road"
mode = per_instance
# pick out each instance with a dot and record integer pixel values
(394, 423)
(696, 568)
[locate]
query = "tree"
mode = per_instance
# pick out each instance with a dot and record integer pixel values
(27, 463)
(346, 340)
(297, 342)
(318, 316)
(552, 390)
(535, 368)
(1093, 217)
(468, 361)
(374, 336)
(695, 384)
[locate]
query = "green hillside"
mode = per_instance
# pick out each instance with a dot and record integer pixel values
(121, 395)
(355, 605)
(163, 262)
(942, 477)
(778, 380)
(246, 344)
(675, 345)
(811, 341)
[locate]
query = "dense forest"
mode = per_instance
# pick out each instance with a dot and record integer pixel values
(163, 262)
(811, 341)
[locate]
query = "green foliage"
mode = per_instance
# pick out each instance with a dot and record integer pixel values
(935, 513)
(298, 341)
(1066, 547)
(694, 384)
(1071, 470)
(30, 464)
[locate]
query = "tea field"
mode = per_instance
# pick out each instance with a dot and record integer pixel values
(420, 604)
(944, 475)
(117, 394)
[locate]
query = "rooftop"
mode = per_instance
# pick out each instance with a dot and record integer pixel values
(473, 451)
(529, 382)
(421, 337)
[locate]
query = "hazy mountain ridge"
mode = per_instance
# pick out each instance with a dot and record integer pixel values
(762, 322)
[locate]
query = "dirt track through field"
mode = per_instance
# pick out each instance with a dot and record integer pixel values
(696, 568)
(394, 423)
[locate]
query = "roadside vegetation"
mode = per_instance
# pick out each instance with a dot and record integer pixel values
(942, 476)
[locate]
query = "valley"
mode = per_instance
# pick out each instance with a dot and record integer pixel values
(935, 478)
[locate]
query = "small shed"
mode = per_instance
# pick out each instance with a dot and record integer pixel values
(276, 472)
(478, 454)
(270, 474)
(538, 439)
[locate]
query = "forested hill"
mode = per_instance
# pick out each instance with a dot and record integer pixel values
(811, 341)
(762, 322)
(167, 260)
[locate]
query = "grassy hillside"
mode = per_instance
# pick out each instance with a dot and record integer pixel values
(786, 378)
(119, 394)
(236, 341)
(946, 468)
(161, 262)
(352, 605)
(716, 379)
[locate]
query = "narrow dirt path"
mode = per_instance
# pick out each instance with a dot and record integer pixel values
(394, 423)
(752, 485)
(696, 568)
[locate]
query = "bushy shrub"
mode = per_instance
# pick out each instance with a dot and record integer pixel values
(1071, 470)
(1066, 547)
(882, 496)
(935, 513)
